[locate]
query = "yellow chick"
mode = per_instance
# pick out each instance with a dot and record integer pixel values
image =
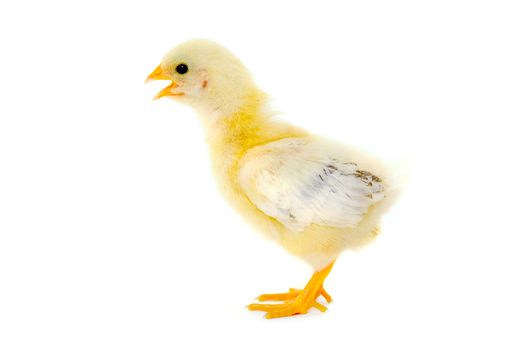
(314, 197)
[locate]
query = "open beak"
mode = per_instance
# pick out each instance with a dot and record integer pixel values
(158, 74)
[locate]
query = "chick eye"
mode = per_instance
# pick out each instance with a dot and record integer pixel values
(182, 68)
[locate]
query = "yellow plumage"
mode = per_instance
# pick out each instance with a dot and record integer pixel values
(312, 196)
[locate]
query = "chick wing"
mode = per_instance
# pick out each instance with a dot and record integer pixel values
(301, 181)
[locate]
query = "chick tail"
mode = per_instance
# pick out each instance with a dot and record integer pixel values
(395, 178)
(395, 182)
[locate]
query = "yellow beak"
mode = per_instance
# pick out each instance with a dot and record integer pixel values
(159, 74)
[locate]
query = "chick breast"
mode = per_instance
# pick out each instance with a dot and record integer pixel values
(300, 181)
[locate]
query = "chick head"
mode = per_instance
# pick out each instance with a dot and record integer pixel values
(205, 75)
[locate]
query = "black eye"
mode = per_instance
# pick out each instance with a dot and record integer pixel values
(182, 68)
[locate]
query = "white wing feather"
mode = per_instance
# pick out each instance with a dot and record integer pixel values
(300, 182)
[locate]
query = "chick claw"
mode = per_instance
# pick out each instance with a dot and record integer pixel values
(294, 302)
(287, 308)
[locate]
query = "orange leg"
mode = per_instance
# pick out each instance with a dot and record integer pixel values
(296, 301)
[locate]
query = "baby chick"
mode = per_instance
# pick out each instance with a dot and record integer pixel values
(314, 197)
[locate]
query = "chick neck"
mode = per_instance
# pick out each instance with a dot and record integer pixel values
(236, 122)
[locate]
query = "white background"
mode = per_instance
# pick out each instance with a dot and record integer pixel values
(112, 235)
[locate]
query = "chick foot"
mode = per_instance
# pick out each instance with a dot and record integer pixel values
(296, 301)
(292, 294)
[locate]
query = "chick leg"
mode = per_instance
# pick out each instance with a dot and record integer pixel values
(296, 301)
